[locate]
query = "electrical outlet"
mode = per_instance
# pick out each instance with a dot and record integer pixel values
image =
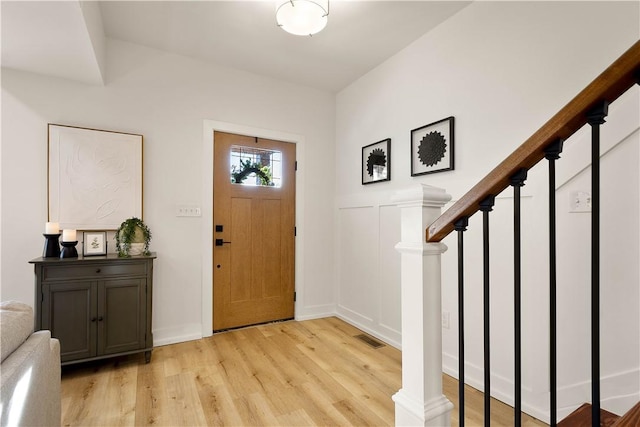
(445, 320)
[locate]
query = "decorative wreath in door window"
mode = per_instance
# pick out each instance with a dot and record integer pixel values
(247, 168)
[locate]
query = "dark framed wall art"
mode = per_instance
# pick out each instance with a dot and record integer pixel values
(376, 162)
(432, 147)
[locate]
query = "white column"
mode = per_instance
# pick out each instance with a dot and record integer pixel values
(420, 401)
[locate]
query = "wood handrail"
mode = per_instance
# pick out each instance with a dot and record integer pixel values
(608, 86)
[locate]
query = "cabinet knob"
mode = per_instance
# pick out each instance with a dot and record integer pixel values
(93, 319)
(98, 270)
(100, 319)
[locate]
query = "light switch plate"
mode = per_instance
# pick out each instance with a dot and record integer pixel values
(580, 201)
(184, 210)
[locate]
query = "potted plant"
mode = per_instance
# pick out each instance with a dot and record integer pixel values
(132, 238)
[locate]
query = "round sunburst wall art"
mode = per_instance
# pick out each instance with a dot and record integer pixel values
(432, 147)
(376, 158)
(376, 162)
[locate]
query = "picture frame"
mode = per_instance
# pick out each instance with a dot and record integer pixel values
(376, 162)
(94, 177)
(94, 243)
(432, 147)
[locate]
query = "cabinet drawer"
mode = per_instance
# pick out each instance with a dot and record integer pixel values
(66, 272)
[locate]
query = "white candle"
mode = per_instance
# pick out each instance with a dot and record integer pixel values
(68, 235)
(51, 228)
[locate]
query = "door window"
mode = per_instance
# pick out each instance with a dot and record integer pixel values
(255, 166)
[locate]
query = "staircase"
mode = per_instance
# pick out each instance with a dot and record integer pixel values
(582, 417)
(420, 401)
(589, 107)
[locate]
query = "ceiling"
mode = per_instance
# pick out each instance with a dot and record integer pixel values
(60, 38)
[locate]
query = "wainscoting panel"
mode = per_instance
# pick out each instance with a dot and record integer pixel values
(389, 272)
(357, 260)
(369, 266)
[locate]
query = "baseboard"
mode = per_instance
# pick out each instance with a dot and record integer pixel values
(190, 332)
(389, 338)
(177, 334)
(315, 312)
(621, 389)
(501, 387)
(193, 331)
(352, 315)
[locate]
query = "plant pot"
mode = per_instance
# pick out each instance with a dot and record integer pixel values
(136, 249)
(132, 238)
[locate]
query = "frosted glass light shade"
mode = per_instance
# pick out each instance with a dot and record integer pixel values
(302, 17)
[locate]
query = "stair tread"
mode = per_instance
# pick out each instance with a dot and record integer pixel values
(631, 418)
(582, 417)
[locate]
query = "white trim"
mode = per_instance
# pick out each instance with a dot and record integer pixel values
(392, 337)
(410, 412)
(316, 312)
(619, 388)
(422, 249)
(208, 127)
(176, 334)
(422, 195)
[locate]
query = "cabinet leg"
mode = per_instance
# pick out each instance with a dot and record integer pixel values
(147, 356)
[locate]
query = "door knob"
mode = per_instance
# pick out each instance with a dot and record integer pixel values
(220, 242)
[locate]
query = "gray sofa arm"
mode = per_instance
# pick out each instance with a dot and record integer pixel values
(30, 383)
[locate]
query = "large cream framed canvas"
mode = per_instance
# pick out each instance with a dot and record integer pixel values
(95, 177)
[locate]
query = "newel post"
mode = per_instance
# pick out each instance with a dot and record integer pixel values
(420, 401)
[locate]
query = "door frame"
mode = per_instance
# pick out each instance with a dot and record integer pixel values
(208, 129)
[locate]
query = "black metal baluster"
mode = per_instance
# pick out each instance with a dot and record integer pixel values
(461, 226)
(552, 153)
(517, 181)
(486, 206)
(595, 118)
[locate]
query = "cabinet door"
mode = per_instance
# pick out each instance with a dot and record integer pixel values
(122, 311)
(69, 312)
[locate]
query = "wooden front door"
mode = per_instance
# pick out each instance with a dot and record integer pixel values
(254, 226)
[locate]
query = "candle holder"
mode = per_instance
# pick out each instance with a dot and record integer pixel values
(69, 250)
(51, 246)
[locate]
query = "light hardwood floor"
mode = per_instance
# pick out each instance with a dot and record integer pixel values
(311, 373)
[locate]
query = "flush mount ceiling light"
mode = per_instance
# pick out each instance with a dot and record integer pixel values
(302, 17)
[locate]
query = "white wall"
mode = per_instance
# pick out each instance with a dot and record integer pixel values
(502, 69)
(620, 289)
(166, 98)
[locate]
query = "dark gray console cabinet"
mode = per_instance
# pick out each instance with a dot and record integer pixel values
(97, 307)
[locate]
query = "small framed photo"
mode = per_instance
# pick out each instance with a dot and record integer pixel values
(432, 147)
(95, 243)
(376, 162)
